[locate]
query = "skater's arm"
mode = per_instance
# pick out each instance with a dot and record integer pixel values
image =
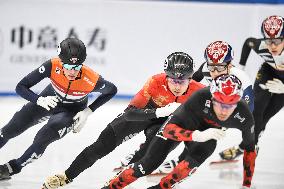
(180, 125)
(198, 75)
(176, 133)
(107, 90)
(250, 43)
(248, 96)
(249, 164)
(23, 87)
(133, 113)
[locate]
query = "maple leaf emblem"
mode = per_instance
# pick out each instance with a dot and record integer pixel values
(228, 87)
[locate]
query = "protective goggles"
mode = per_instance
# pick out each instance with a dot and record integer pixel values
(76, 67)
(218, 67)
(222, 105)
(276, 41)
(178, 81)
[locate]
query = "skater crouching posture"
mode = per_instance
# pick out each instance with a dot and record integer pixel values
(149, 109)
(218, 60)
(64, 102)
(199, 122)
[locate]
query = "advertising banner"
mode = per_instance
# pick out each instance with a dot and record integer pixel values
(127, 41)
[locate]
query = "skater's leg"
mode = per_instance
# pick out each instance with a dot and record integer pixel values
(29, 115)
(197, 154)
(57, 127)
(155, 155)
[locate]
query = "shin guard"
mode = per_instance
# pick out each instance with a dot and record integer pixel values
(181, 171)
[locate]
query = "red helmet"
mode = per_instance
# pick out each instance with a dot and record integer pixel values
(272, 27)
(218, 52)
(226, 89)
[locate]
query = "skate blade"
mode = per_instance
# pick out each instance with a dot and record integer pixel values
(224, 164)
(224, 161)
(157, 174)
(117, 169)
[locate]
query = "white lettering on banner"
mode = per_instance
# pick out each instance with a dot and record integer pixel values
(34, 43)
(33, 157)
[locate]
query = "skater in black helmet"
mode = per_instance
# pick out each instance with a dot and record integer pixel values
(148, 110)
(219, 57)
(63, 102)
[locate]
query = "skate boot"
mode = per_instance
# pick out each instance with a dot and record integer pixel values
(56, 181)
(231, 153)
(166, 167)
(4, 172)
(124, 162)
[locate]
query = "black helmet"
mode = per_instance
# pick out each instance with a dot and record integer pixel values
(179, 65)
(72, 51)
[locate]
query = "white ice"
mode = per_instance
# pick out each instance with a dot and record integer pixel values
(269, 171)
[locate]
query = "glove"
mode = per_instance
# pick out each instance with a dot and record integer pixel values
(263, 86)
(275, 86)
(47, 102)
(167, 110)
(208, 134)
(80, 119)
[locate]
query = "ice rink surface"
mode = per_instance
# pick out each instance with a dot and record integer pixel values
(269, 171)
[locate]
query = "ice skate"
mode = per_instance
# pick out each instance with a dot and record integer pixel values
(56, 181)
(231, 153)
(124, 162)
(4, 172)
(165, 168)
